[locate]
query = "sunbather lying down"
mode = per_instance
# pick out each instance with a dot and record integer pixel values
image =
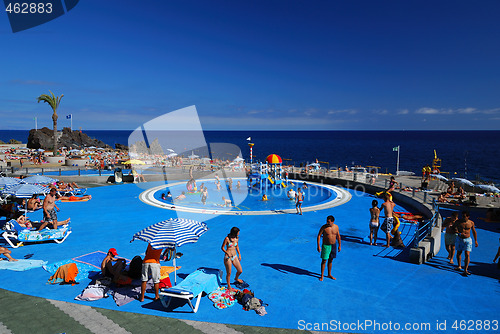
(6, 252)
(75, 198)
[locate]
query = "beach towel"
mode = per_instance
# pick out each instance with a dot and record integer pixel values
(84, 269)
(166, 270)
(66, 273)
(88, 264)
(223, 298)
(21, 265)
(202, 280)
(126, 294)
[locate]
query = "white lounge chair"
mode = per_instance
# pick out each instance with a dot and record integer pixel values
(202, 280)
(15, 234)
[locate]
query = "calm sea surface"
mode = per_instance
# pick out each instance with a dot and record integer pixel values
(470, 154)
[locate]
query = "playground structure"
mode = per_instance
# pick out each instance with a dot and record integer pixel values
(268, 175)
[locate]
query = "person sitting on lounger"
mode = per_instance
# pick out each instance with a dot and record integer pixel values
(111, 270)
(34, 203)
(451, 190)
(442, 198)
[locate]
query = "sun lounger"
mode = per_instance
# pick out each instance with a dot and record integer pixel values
(15, 234)
(202, 280)
(73, 192)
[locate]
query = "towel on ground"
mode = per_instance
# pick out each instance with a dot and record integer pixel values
(66, 273)
(223, 298)
(84, 269)
(21, 265)
(125, 294)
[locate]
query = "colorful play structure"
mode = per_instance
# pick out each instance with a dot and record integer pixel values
(268, 175)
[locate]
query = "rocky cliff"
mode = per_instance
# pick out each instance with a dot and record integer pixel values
(42, 138)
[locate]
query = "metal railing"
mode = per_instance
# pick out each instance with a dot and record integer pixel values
(423, 231)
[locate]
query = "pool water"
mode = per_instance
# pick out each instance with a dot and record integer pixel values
(244, 198)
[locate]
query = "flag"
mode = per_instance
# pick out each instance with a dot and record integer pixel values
(395, 149)
(69, 116)
(249, 138)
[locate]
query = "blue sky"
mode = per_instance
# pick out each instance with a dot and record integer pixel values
(260, 65)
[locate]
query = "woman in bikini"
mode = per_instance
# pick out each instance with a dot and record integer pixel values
(374, 222)
(230, 248)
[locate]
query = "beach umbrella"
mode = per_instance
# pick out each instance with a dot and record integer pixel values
(134, 162)
(488, 188)
(8, 181)
(463, 181)
(174, 231)
(440, 177)
(25, 190)
(74, 151)
(193, 156)
(171, 155)
(41, 150)
(273, 159)
(238, 159)
(38, 179)
(170, 150)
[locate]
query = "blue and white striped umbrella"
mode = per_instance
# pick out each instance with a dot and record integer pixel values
(488, 188)
(178, 231)
(463, 181)
(38, 179)
(8, 181)
(25, 190)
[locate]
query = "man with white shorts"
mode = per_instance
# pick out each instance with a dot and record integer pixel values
(151, 267)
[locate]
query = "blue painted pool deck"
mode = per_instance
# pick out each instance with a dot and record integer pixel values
(281, 264)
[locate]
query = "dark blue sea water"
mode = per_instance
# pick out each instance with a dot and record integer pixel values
(470, 154)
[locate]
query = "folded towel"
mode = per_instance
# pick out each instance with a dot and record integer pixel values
(21, 265)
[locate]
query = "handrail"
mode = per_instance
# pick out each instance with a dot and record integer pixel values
(423, 231)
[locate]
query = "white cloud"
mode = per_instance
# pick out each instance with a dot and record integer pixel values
(343, 111)
(403, 112)
(463, 111)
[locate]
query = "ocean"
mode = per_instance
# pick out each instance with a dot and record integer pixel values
(474, 155)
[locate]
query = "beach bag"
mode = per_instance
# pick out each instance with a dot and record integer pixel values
(252, 304)
(135, 267)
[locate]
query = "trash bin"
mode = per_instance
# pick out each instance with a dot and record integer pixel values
(118, 175)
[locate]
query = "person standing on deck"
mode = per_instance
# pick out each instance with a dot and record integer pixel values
(388, 207)
(464, 241)
(328, 249)
(451, 234)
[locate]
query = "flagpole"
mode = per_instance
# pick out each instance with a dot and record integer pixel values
(397, 166)
(71, 127)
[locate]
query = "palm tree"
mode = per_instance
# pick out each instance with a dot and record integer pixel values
(53, 101)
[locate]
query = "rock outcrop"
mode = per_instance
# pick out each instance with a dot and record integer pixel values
(42, 138)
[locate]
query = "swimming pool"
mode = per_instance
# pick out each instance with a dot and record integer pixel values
(244, 200)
